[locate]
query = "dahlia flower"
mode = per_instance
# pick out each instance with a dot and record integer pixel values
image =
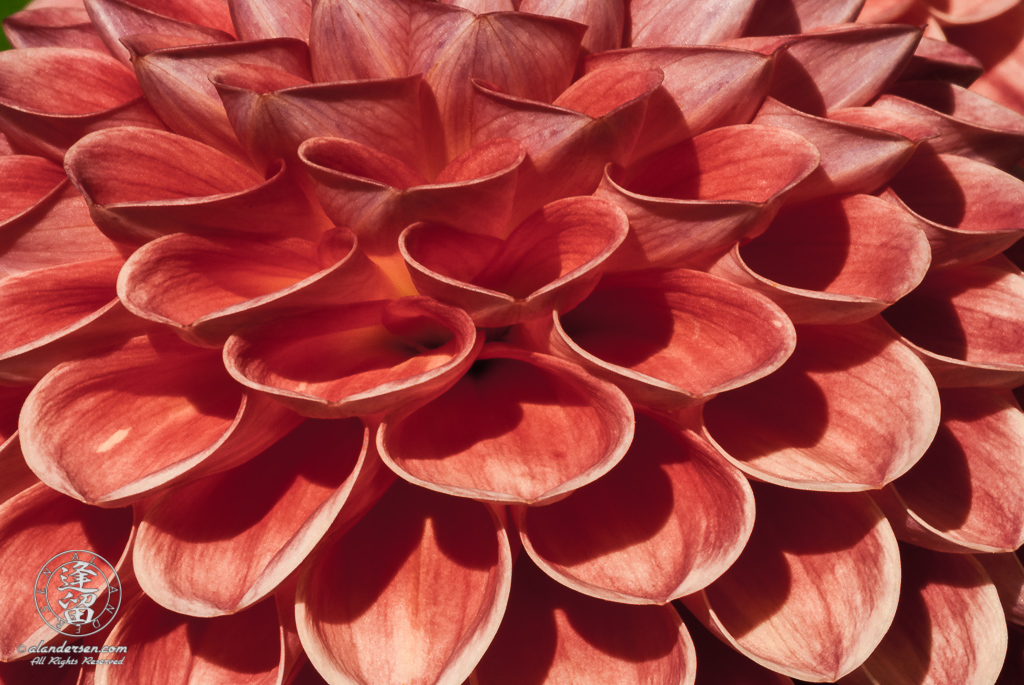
(508, 341)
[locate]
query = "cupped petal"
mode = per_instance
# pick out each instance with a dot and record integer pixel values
(778, 17)
(357, 359)
(604, 19)
(670, 339)
(40, 514)
(53, 27)
(969, 11)
(949, 627)
(143, 184)
(414, 592)
(166, 648)
(860, 409)
(854, 159)
(664, 523)
(259, 19)
(116, 427)
(718, 662)
(209, 288)
(550, 261)
(220, 544)
(551, 634)
(837, 260)
(686, 22)
(970, 211)
(1007, 574)
(966, 323)
(519, 427)
(51, 97)
(815, 589)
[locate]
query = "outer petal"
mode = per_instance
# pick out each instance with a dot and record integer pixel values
(664, 523)
(686, 22)
(413, 593)
(815, 588)
(551, 634)
(255, 19)
(113, 428)
(53, 27)
(604, 19)
(540, 428)
(860, 409)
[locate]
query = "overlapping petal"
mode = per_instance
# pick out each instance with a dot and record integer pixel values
(51, 27)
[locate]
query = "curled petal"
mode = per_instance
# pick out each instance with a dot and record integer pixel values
(604, 19)
(550, 261)
(838, 260)
(519, 427)
(357, 359)
(815, 588)
(844, 423)
(686, 22)
(422, 576)
(966, 324)
(53, 27)
(551, 634)
(113, 428)
(669, 339)
(970, 11)
(256, 19)
(664, 523)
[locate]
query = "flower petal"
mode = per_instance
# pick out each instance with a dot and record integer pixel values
(53, 27)
(776, 17)
(1007, 573)
(604, 19)
(421, 578)
(686, 22)
(256, 19)
(719, 664)
(540, 427)
(29, 181)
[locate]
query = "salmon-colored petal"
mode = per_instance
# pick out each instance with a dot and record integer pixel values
(551, 634)
(686, 22)
(53, 27)
(996, 43)
(664, 523)
(969, 11)
(358, 359)
(837, 260)
(949, 627)
(413, 593)
(29, 180)
(1007, 574)
(860, 409)
(256, 19)
(719, 664)
(540, 427)
(166, 648)
(966, 324)
(777, 17)
(41, 514)
(604, 19)
(221, 544)
(115, 427)
(669, 339)
(942, 61)
(815, 588)
(966, 492)
(550, 261)
(74, 91)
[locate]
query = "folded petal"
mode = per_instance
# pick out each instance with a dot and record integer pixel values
(116, 427)
(358, 359)
(519, 427)
(256, 19)
(837, 260)
(53, 27)
(551, 634)
(686, 22)
(860, 409)
(422, 578)
(669, 339)
(815, 588)
(664, 523)
(604, 19)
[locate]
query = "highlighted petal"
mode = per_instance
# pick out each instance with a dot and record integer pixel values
(113, 428)
(859, 410)
(519, 427)
(422, 578)
(256, 19)
(53, 27)
(665, 522)
(815, 588)
(686, 22)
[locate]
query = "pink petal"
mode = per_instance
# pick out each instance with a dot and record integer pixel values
(113, 428)
(777, 17)
(815, 588)
(604, 19)
(837, 260)
(949, 627)
(719, 664)
(256, 19)
(965, 323)
(970, 11)
(519, 427)
(860, 410)
(670, 339)
(664, 523)
(686, 22)
(358, 359)
(943, 61)
(413, 593)
(970, 210)
(53, 27)
(991, 42)
(550, 261)
(41, 514)
(223, 543)
(1007, 573)
(73, 92)
(551, 634)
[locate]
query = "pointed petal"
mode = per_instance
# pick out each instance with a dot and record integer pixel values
(53, 27)
(422, 577)
(604, 19)
(665, 522)
(815, 589)
(540, 428)
(860, 410)
(777, 17)
(942, 61)
(256, 19)
(686, 22)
